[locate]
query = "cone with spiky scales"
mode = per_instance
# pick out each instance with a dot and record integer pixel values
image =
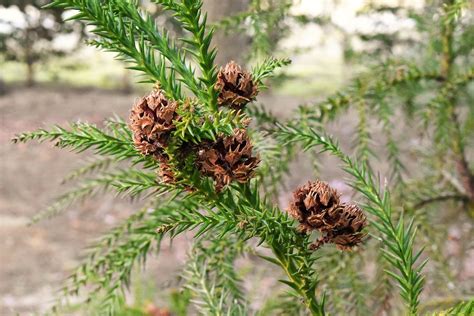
(165, 171)
(316, 206)
(152, 121)
(236, 87)
(342, 225)
(310, 202)
(227, 159)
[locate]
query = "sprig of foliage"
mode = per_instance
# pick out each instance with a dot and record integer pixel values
(464, 308)
(398, 237)
(117, 33)
(211, 277)
(266, 21)
(134, 35)
(124, 181)
(83, 136)
(274, 228)
(110, 262)
(363, 140)
(267, 68)
(188, 13)
(368, 86)
(240, 210)
(95, 165)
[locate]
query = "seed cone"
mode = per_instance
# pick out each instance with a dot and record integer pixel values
(229, 158)
(165, 172)
(316, 206)
(236, 87)
(311, 202)
(342, 226)
(151, 121)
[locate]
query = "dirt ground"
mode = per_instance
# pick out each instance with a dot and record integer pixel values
(36, 259)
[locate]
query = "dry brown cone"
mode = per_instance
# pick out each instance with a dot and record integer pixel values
(165, 171)
(152, 310)
(316, 206)
(151, 121)
(236, 87)
(310, 204)
(227, 159)
(342, 226)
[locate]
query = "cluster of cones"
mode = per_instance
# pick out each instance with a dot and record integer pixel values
(229, 158)
(317, 207)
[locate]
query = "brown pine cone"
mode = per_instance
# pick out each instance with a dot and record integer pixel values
(316, 206)
(151, 121)
(165, 172)
(229, 158)
(152, 310)
(311, 203)
(236, 87)
(343, 226)
(347, 231)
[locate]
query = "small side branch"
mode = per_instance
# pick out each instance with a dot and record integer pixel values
(441, 198)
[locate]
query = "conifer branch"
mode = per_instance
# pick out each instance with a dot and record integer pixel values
(211, 277)
(377, 82)
(126, 181)
(122, 29)
(274, 228)
(267, 68)
(463, 308)
(225, 215)
(105, 275)
(447, 110)
(362, 148)
(398, 237)
(241, 211)
(384, 113)
(159, 40)
(84, 136)
(189, 14)
(95, 165)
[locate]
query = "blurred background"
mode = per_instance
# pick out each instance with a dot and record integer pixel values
(48, 75)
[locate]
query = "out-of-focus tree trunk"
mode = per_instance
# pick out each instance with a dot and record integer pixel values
(30, 70)
(30, 73)
(3, 87)
(232, 46)
(126, 86)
